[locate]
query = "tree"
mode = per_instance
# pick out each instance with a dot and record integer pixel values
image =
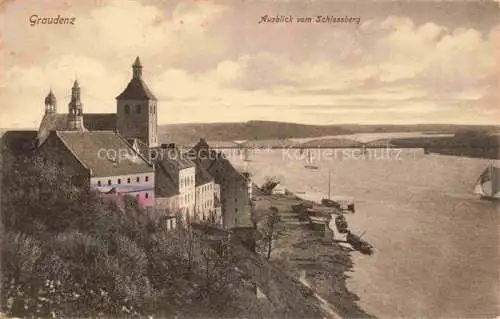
(269, 230)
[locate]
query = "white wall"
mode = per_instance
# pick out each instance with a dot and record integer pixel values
(187, 194)
(144, 187)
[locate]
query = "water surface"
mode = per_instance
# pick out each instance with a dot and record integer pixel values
(437, 245)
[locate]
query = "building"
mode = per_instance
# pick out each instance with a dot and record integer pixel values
(92, 159)
(113, 153)
(136, 109)
(207, 197)
(279, 190)
(53, 121)
(177, 172)
(235, 193)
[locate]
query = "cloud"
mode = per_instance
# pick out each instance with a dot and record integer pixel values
(212, 62)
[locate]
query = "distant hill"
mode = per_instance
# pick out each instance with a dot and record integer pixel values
(268, 130)
(252, 130)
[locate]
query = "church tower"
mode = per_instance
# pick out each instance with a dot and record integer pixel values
(75, 112)
(136, 109)
(50, 103)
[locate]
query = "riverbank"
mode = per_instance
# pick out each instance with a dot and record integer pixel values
(311, 256)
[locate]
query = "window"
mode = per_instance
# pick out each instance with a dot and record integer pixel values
(109, 182)
(98, 183)
(235, 210)
(128, 180)
(146, 195)
(137, 109)
(127, 109)
(119, 181)
(147, 178)
(137, 196)
(138, 179)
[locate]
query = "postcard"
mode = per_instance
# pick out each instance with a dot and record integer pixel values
(249, 159)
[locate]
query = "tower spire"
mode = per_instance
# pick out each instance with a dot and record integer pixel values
(137, 68)
(75, 108)
(50, 102)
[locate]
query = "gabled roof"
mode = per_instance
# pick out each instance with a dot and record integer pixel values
(91, 121)
(202, 176)
(90, 149)
(221, 169)
(215, 163)
(136, 90)
(165, 184)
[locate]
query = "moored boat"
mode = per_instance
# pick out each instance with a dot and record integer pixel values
(359, 244)
(319, 217)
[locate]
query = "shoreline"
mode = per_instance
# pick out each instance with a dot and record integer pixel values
(312, 256)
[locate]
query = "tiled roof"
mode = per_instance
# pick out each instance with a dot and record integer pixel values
(88, 148)
(172, 156)
(165, 184)
(222, 169)
(202, 176)
(214, 163)
(136, 90)
(91, 121)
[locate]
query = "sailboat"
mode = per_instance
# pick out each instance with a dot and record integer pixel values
(488, 183)
(340, 203)
(328, 202)
(310, 164)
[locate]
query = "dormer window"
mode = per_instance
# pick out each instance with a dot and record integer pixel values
(127, 109)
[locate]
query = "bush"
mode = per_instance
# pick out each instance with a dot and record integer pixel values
(68, 252)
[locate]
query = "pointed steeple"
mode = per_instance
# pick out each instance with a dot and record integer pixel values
(50, 103)
(75, 109)
(137, 68)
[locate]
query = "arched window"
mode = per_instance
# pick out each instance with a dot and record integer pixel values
(127, 109)
(98, 183)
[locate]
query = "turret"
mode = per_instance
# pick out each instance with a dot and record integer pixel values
(50, 103)
(75, 109)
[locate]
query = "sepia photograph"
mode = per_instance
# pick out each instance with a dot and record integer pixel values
(249, 159)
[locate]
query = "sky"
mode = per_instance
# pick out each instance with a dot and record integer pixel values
(212, 61)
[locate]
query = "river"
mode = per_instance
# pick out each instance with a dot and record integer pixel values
(437, 245)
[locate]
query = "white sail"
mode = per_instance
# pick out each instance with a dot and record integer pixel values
(488, 183)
